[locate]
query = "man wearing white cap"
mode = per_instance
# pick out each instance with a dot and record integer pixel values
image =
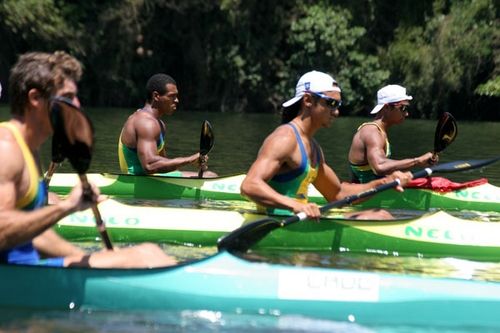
(369, 156)
(290, 158)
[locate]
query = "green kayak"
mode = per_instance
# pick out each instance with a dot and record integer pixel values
(228, 284)
(485, 197)
(435, 234)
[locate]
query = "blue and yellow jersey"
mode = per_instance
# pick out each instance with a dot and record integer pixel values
(363, 173)
(128, 158)
(295, 183)
(34, 198)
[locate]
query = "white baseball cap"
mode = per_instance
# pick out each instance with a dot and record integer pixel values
(313, 81)
(0, 90)
(390, 94)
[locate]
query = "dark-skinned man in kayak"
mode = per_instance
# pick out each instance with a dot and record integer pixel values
(26, 234)
(370, 152)
(290, 158)
(142, 147)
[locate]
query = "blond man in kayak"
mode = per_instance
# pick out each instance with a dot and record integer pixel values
(290, 158)
(26, 234)
(370, 152)
(142, 147)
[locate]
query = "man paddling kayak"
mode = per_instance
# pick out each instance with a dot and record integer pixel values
(37, 81)
(141, 146)
(370, 152)
(290, 158)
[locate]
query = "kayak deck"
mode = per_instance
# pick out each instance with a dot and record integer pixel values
(484, 197)
(431, 235)
(230, 284)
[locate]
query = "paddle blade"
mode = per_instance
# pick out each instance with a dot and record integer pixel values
(243, 238)
(455, 166)
(73, 136)
(463, 165)
(206, 138)
(446, 132)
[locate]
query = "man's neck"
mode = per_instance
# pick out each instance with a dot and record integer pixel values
(304, 126)
(382, 124)
(152, 110)
(30, 132)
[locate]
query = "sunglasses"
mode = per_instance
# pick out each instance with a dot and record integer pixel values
(332, 103)
(400, 107)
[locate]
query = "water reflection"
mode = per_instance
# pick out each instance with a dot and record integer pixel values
(428, 267)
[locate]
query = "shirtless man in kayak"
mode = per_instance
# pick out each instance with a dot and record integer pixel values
(26, 234)
(290, 158)
(370, 153)
(142, 147)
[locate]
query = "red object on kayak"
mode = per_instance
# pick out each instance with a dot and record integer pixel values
(441, 184)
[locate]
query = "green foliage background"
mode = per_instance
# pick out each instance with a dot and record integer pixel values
(246, 56)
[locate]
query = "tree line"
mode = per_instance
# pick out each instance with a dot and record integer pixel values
(246, 56)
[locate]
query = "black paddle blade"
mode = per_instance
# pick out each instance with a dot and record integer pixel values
(455, 166)
(73, 136)
(243, 238)
(463, 165)
(446, 132)
(206, 138)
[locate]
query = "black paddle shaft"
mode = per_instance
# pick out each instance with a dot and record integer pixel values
(73, 139)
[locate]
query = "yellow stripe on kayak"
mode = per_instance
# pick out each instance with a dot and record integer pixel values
(438, 227)
(118, 215)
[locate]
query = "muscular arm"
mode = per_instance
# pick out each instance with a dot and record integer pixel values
(328, 184)
(17, 227)
(148, 130)
(273, 156)
(374, 144)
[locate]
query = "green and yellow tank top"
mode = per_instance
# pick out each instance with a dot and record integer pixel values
(363, 173)
(34, 198)
(295, 183)
(128, 158)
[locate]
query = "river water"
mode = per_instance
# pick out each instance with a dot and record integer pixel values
(237, 140)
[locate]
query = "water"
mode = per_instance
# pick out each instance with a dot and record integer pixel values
(237, 140)
(239, 136)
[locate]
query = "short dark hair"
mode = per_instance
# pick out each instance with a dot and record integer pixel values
(45, 72)
(158, 83)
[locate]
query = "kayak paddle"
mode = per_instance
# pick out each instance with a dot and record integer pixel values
(446, 132)
(73, 138)
(246, 236)
(57, 150)
(206, 142)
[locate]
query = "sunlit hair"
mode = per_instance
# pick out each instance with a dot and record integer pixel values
(289, 113)
(158, 83)
(45, 72)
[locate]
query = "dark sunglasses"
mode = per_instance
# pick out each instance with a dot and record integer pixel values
(400, 107)
(332, 103)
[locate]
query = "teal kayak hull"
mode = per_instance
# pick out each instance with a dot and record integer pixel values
(485, 197)
(437, 234)
(228, 284)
